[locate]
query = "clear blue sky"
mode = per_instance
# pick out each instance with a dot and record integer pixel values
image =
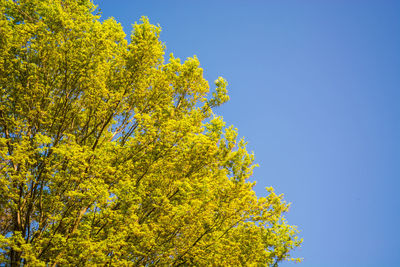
(315, 89)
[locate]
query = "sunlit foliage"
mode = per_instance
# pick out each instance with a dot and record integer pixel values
(110, 155)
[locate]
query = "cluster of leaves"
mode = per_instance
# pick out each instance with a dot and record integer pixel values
(109, 155)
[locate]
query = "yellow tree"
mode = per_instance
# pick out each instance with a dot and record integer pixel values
(110, 155)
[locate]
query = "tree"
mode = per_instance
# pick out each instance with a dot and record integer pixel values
(111, 156)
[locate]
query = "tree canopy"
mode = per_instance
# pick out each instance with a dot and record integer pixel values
(111, 154)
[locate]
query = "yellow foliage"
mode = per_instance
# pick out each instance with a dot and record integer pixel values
(111, 156)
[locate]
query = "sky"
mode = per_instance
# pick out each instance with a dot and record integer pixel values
(315, 90)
